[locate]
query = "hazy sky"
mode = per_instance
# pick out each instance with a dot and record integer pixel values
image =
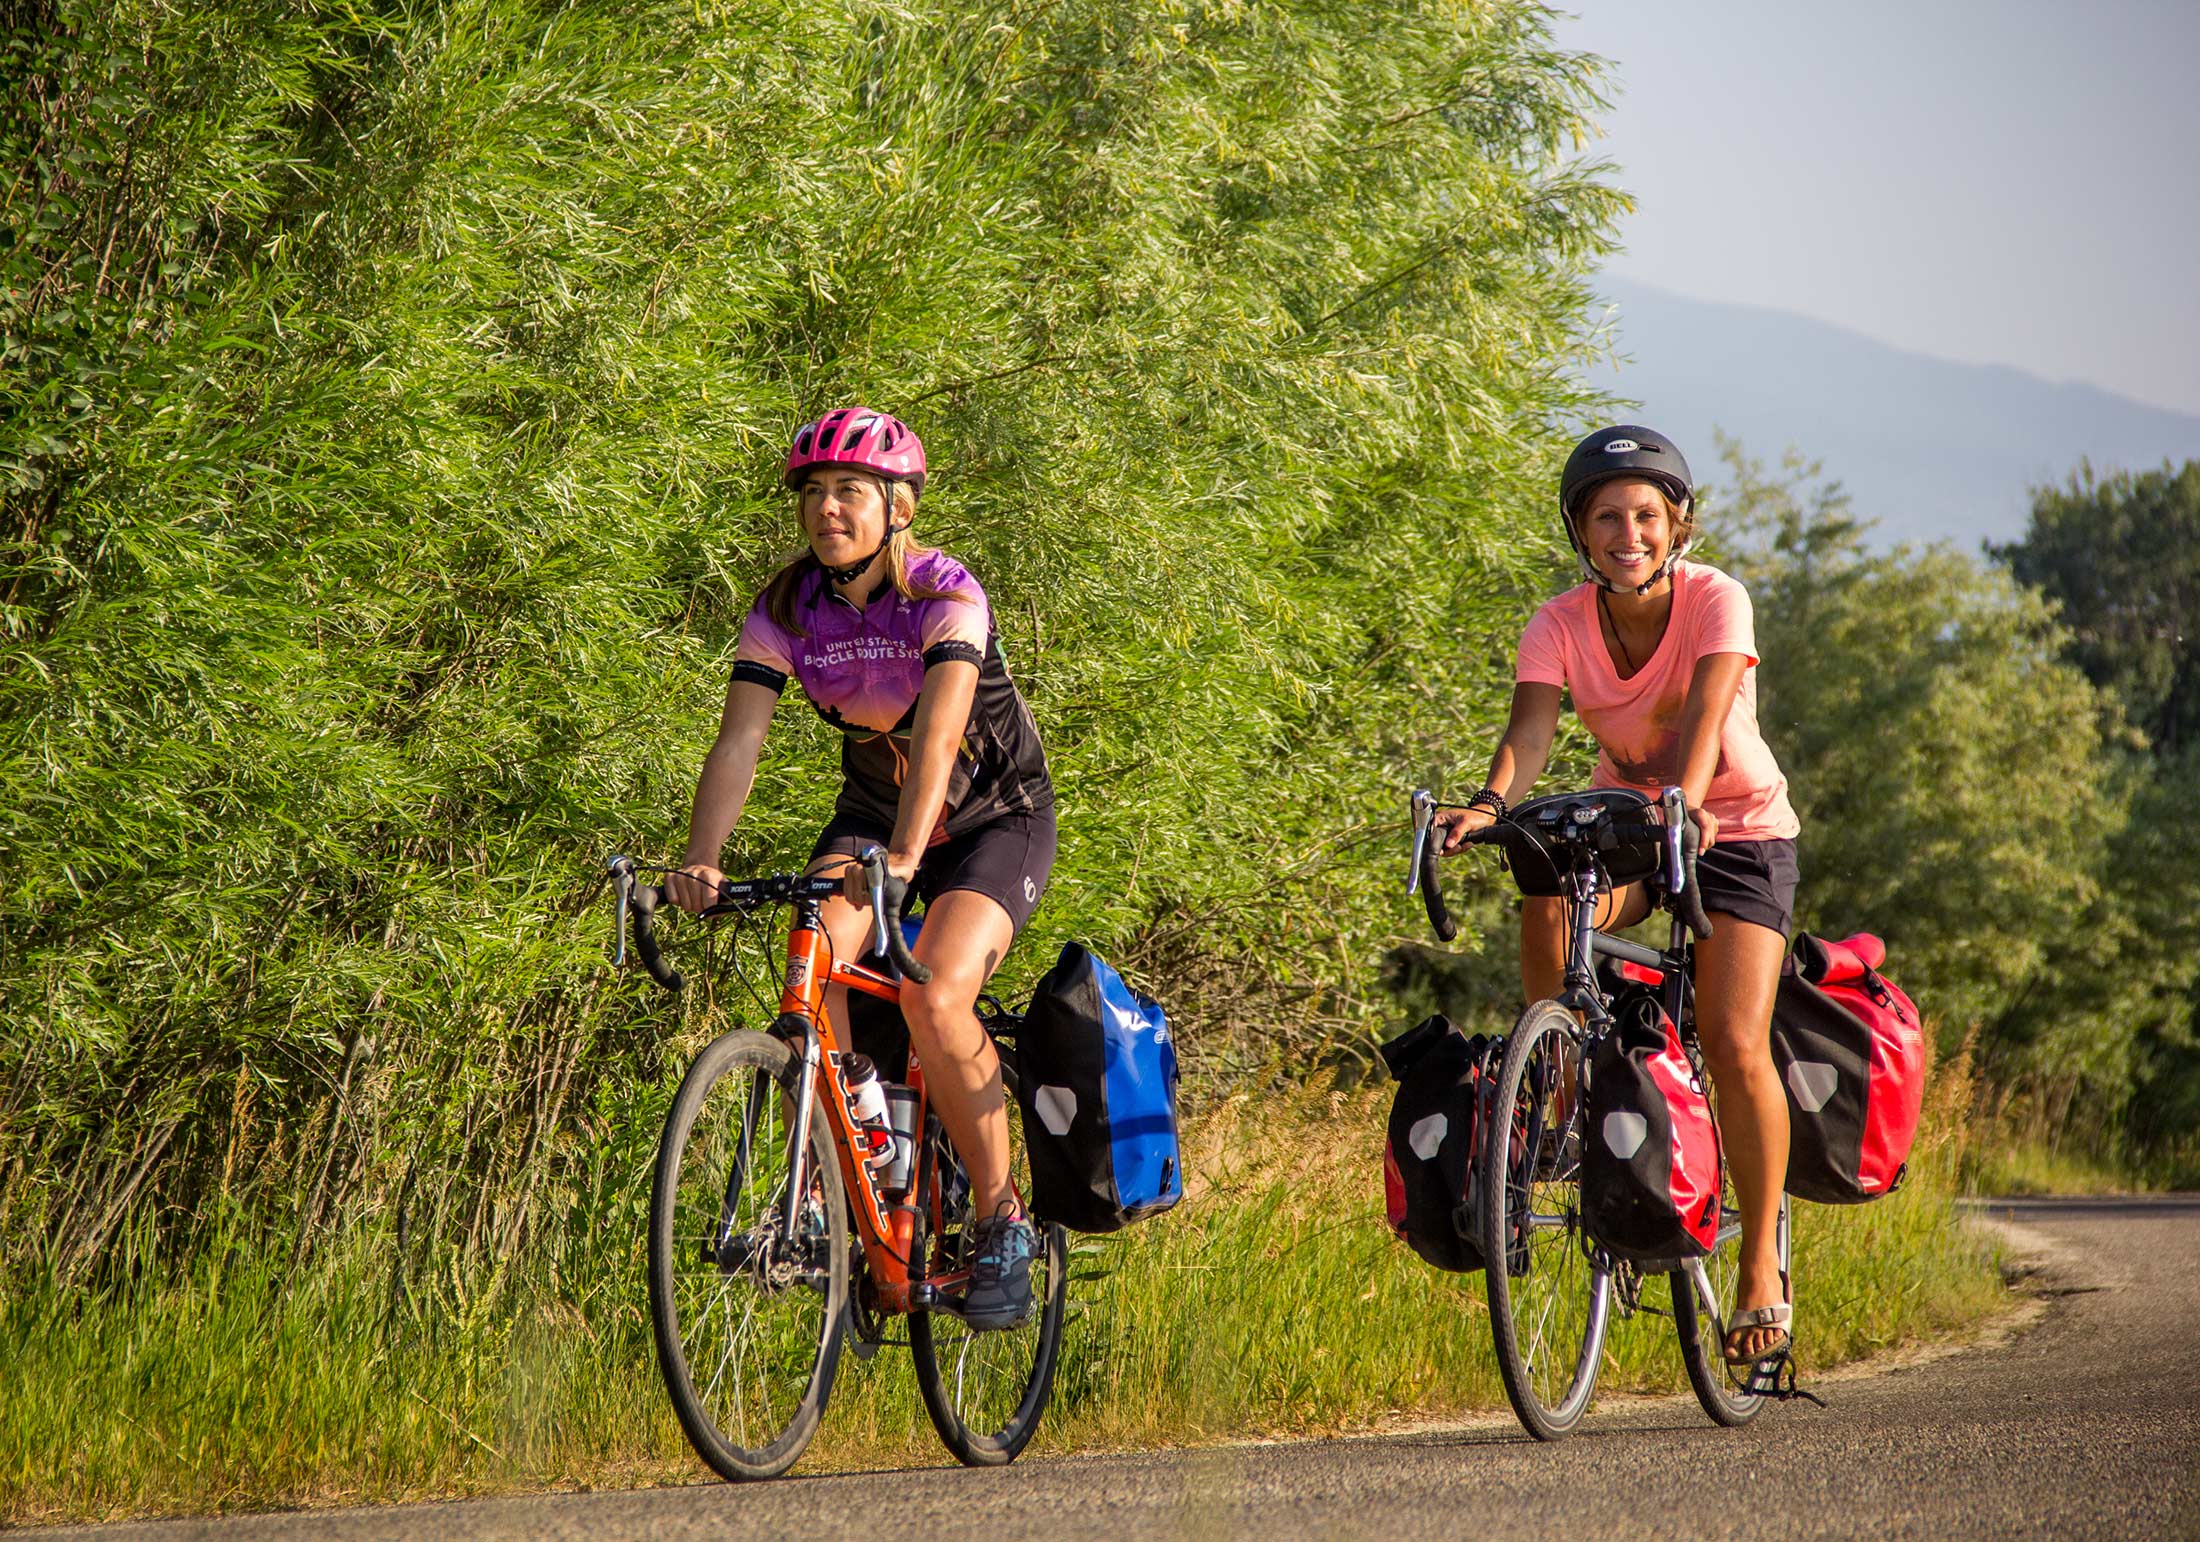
(2014, 183)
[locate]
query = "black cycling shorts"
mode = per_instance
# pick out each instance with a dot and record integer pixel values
(1751, 881)
(1007, 859)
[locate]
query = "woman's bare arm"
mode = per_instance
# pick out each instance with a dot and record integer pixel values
(1711, 691)
(943, 716)
(1521, 756)
(729, 771)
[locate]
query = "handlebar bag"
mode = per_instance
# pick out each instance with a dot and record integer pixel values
(1433, 1138)
(1850, 1050)
(1628, 845)
(1650, 1153)
(1096, 1081)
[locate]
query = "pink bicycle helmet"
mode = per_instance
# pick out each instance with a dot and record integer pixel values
(856, 436)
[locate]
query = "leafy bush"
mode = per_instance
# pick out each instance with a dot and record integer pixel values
(394, 399)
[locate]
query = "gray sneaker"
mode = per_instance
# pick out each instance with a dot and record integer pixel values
(1001, 1247)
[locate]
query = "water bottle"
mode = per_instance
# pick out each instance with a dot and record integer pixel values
(867, 1109)
(900, 1173)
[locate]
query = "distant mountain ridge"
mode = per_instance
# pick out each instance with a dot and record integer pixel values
(1931, 449)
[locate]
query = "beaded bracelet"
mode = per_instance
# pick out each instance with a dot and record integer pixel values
(1488, 798)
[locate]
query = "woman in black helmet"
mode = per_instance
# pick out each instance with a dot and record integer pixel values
(1660, 655)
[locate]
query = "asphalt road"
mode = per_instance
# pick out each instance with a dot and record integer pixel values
(2084, 1423)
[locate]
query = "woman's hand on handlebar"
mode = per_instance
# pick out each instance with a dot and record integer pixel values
(1707, 826)
(1707, 829)
(855, 884)
(694, 888)
(1452, 826)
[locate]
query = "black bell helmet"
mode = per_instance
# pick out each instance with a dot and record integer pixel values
(1626, 449)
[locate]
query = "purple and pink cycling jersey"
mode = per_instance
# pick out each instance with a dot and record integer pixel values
(862, 671)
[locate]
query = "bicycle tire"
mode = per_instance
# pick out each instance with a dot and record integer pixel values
(986, 1391)
(1537, 1260)
(1701, 1322)
(724, 1291)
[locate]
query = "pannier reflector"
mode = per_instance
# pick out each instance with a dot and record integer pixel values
(1813, 1083)
(1427, 1135)
(1057, 1108)
(1624, 1132)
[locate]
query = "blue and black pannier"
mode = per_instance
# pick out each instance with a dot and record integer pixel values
(1096, 1080)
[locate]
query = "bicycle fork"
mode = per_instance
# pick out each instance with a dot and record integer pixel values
(805, 1107)
(760, 1249)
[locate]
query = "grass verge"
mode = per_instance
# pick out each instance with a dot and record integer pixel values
(1273, 1301)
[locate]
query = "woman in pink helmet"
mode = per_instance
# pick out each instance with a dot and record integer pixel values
(894, 645)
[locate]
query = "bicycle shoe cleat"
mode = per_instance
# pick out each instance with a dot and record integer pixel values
(1001, 1249)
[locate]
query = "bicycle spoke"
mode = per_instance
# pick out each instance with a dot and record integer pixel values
(985, 1390)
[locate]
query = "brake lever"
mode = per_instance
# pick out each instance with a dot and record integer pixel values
(1424, 813)
(622, 881)
(873, 859)
(1674, 803)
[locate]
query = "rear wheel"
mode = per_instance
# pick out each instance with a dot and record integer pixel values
(1703, 1296)
(984, 1390)
(1550, 1295)
(748, 1312)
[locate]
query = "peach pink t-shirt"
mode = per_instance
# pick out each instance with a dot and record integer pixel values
(1637, 720)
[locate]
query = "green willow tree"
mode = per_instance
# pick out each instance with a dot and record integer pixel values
(393, 405)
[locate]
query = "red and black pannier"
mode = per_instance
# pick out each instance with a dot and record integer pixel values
(1851, 1053)
(1430, 1144)
(1650, 1153)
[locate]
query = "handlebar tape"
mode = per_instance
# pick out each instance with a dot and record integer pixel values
(1689, 901)
(645, 899)
(1432, 898)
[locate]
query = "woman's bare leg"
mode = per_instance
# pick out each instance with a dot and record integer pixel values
(964, 938)
(1737, 972)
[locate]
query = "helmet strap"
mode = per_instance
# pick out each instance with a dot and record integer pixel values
(855, 570)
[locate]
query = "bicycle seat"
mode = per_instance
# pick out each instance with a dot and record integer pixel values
(1545, 838)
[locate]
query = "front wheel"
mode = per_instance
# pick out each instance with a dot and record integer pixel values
(1550, 1293)
(747, 1304)
(984, 1390)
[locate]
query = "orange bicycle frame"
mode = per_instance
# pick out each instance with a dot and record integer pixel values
(888, 1227)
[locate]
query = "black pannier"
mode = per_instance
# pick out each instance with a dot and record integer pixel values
(1650, 1153)
(1429, 1144)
